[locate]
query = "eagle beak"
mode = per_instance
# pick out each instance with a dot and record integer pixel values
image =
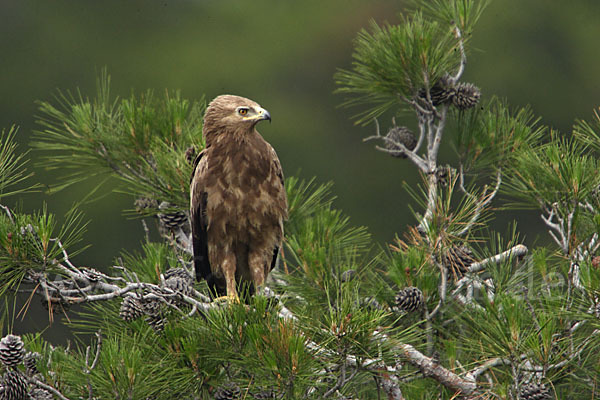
(263, 114)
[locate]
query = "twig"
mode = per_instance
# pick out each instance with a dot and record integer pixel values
(421, 137)
(428, 367)
(66, 256)
(557, 227)
(442, 289)
(390, 385)
(401, 149)
(8, 212)
(481, 204)
(431, 198)
(494, 362)
(146, 230)
(437, 140)
(49, 388)
(532, 312)
(89, 367)
(463, 56)
(515, 251)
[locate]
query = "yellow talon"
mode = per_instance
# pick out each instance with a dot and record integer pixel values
(232, 299)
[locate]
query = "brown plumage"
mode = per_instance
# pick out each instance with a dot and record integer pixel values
(238, 201)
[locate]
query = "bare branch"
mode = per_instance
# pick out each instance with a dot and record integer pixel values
(439, 130)
(421, 137)
(463, 56)
(400, 148)
(442, 289)
(8, 212)
(431, 198)
(494, 362)
(434, 370)
(485, 200)
(516, 251)
(390, 384)
(89, 367)
(33, 380)
(558, 228)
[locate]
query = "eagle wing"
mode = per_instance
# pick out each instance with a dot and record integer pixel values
(278, 172)
(199, 221)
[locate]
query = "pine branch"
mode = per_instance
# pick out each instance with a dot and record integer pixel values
(516, 251)
(482, 202)
(442, 289)
(463, 56)
(398, 148)
(432, 369)
(33, 380)
(426, 365)
(89, 367)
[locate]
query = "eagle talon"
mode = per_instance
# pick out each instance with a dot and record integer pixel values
(231, 299)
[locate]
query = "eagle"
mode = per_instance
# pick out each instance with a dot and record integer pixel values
(238, 202)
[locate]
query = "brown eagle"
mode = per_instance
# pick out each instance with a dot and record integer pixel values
(237, 198)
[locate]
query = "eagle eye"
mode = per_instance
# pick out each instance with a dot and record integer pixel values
(243, 110)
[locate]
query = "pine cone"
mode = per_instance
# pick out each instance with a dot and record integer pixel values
(596, 309)
(441, 92)
(40, 394)
(143, 203)
(370, 303)
(467, 96)
(229, 391)
(131, 309)
(14, 385)
(533, 391)
(400, 134)
(347, 275)
(11, 350)
(265, 394)
(443, 174)
(190, 154)
(410, 299)
(179, 280)
(458, 259)
(154, 315)
(30, 362)
(157, 322)
(172, 219)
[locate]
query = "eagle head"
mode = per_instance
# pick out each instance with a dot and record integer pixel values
(232, 114)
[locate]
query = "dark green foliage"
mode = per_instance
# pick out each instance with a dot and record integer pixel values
(141, 140)
(156, 258)
(560, 171)
(492, 136)
(462, 13)
(12, 165)
(393, 62)
(35, 241)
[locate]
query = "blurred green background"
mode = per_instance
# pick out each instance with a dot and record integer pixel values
(283, 54)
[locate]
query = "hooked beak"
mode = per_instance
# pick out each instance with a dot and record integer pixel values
(263, 114)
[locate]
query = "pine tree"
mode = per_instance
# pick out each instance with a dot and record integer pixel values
(448, 310)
